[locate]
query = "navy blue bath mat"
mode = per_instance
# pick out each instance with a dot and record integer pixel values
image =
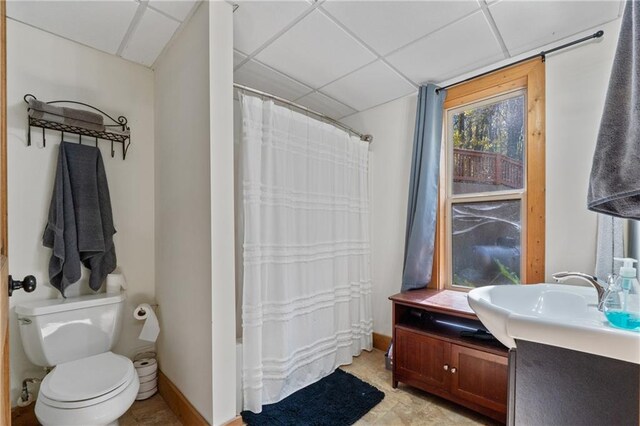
(339, 399)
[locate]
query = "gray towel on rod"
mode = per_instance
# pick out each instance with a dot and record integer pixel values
(610, 244)
(80, 224)
(69, 116)
(614, 186)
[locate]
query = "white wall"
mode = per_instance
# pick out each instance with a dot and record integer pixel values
(222, 211)
(576, 85)
(577, 82)
(35, 65)
(392, 127)
(183, 214)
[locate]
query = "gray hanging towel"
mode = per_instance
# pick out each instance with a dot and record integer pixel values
(614, 186)
(80, 225)
(609, 245)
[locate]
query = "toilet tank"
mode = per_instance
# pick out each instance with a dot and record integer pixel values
(54, 331)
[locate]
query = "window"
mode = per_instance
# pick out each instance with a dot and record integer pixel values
(491, 213)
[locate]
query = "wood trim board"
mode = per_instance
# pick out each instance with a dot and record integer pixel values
(530, 76)
(381, 341)
(5, 403)
(536, 175)
(237, 421)
(178, 403)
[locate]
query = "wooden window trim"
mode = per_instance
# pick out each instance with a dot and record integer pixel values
(530, 76)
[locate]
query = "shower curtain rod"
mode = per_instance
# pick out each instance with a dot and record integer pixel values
(542, 55)
(363, 137)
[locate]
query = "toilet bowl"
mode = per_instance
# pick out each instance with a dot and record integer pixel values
(96, 390)
(89, 386)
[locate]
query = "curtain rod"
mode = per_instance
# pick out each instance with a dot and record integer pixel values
(363, 137)
(542, 55)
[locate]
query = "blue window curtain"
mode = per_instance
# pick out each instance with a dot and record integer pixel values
(423, 189)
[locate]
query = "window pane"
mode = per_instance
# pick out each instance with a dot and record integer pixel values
(488, 146)
(486, 243)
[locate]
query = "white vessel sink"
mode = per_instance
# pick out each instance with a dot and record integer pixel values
(553, 314)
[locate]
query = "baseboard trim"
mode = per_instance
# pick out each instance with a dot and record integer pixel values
(178, 403)
(235, 422)
(381, 342)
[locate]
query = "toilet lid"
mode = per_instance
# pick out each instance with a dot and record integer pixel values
(87, 378)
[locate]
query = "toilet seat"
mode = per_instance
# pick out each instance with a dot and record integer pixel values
(100, 413)
(87, 381)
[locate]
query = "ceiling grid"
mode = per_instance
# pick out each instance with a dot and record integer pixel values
(340, 57)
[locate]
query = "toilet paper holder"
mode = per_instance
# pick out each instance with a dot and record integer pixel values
(151, 327)
(154, 306)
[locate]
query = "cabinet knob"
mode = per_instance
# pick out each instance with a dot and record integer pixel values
(453, 370)
(446, 367)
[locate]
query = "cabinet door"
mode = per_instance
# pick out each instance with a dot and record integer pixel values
(422, 358)
(479, 377)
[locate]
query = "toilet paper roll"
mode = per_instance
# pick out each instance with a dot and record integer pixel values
(148, 378)
(116, 281)
(151, 328)
(146, 387)
(145, 366)
(145, 395)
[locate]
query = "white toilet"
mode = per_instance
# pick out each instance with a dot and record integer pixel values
(89, 385)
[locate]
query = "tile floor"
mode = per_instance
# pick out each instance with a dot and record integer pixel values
(406, 405)
(150, 412)
(400, 407)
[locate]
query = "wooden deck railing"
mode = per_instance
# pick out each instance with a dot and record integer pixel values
(487, 168)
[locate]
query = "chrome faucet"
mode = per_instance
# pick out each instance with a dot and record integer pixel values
(600, 287)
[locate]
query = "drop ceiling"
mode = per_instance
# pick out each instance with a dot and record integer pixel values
(137, 30)
(336, 57)
(341, 57)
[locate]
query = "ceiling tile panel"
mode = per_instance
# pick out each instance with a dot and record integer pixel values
(176, 9)
(325, 105)
(255, 22)
(257, 76)
(369, 86)
(464, 46)
(315, 51)
(547, 21)
(388, 25)
(99, 24)
(149, 38)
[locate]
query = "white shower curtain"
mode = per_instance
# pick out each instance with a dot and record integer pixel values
(306, 278)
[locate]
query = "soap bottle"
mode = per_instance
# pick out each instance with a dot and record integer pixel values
(622, 304)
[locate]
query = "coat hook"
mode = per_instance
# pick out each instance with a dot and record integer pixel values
(28, 132)
(44, 139)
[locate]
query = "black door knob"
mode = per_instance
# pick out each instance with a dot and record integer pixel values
(28, 284)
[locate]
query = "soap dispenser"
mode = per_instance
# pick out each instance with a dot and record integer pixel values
(622, 304)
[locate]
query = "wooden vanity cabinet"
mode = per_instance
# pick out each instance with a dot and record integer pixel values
(430, 354)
